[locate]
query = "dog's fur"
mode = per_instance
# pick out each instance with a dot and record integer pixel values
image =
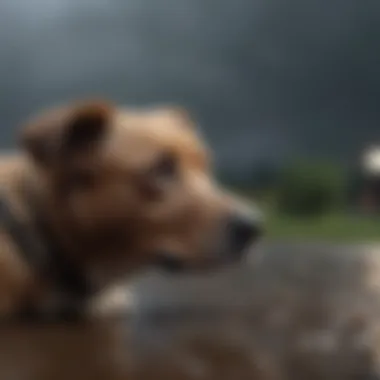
(118, 190)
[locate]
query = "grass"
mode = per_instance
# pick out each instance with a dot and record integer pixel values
(336, 227)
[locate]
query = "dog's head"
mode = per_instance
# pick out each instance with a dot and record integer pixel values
(135, 187)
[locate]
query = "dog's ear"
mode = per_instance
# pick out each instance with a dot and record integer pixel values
(61, 132)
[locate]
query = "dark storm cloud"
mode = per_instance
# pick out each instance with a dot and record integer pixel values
(266, 79)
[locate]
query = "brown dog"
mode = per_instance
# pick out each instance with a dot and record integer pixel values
(102, 192)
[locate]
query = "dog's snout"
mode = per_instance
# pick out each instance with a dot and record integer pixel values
(243, 230)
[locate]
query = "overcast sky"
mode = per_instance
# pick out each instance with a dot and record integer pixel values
(265, 78)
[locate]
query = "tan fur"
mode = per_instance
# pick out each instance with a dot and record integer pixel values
(128, 209)
(16, 279)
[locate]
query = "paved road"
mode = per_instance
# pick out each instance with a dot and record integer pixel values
(293, 312)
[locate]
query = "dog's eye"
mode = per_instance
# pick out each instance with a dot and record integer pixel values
(165, 168)
(160, 177)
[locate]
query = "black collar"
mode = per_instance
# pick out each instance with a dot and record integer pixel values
(38, 246)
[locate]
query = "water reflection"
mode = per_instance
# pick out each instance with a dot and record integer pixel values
(294, 316)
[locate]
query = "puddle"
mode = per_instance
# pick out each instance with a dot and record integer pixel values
(297, 315)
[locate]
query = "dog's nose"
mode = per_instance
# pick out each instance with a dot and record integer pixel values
(242, 231)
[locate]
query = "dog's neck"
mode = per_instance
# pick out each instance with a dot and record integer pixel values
(83, 253)
(54, 259)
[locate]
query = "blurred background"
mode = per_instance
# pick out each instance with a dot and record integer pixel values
(273, 84)
(287, 93)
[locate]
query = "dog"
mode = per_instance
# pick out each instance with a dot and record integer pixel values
(99, 192)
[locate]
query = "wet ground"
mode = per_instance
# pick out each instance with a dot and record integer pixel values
(292, 312)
